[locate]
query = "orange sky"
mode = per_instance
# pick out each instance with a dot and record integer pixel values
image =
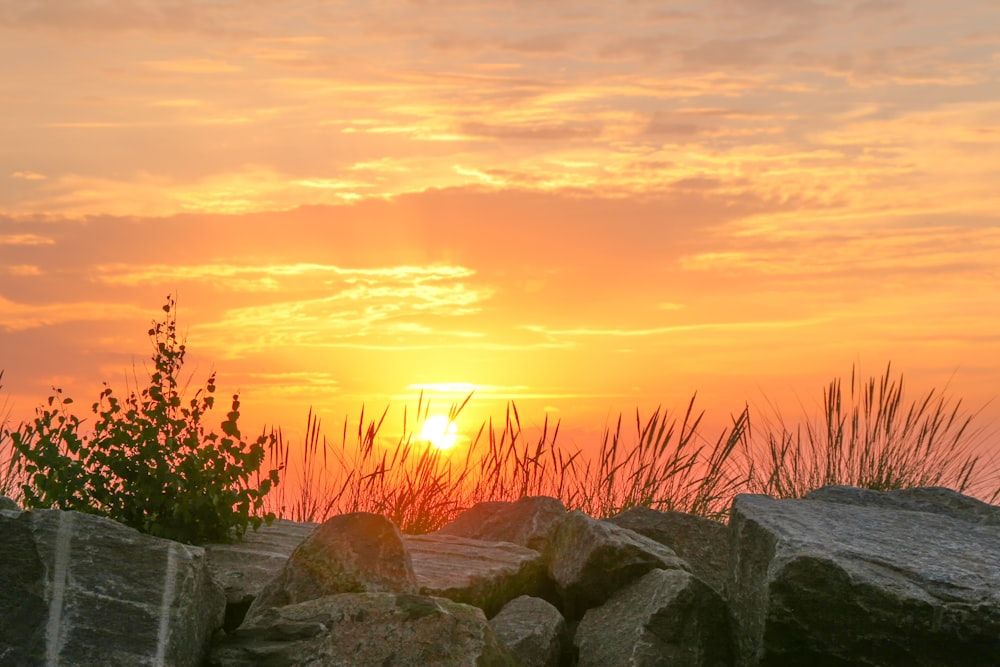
(586, 207)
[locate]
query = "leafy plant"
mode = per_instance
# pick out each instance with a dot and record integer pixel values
(148, 461)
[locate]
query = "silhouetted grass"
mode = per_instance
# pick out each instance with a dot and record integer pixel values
(872, 437)
(10, 477)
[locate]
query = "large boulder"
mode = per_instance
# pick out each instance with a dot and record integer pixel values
(831, 583)
(667, 617)
(590, 560)
(245, 568)
(528, 522)
(701, 542)
(8, 504)
(933, 499)
(349, 553)
(77, 589)
(487, 575)
(365, 629)
(532, 629)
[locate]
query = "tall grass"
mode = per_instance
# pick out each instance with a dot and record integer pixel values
(874, 438)
(868, 435)
(10, 477)
(668, 466)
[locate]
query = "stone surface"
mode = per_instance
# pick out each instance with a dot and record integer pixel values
(932, 499)
(590, 560)
(245, 568)
(349, 553)
(77, 589)
(531, 629)
(667, 617)
(837, 584)
(487, 575)
(8, 504)
(528, 522)
(857, 578)
(354, 629)
(702, 543)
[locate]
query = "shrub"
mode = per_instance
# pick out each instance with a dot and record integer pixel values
(148, 461)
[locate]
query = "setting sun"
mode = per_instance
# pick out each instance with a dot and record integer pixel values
(440, 432)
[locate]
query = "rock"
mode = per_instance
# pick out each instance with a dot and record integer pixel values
(531, 629)
(8, 504)
(349, 553)
(528, 522)
(245, 568)
(667, 617)
(365, 629)
(933, 499)
(487, 575)
(829, 583)
(590, 560)
(77, 589)
(702, 543)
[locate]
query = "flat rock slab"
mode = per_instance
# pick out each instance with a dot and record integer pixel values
(931, 499)
(78, 589)
(353, 629)
(244, 568)
(528, 522)
(484, 574)
(667, 617)
(831, 583)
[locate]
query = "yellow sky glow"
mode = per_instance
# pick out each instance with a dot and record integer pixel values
(583, 207)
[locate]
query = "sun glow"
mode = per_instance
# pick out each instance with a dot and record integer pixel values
(440, 432)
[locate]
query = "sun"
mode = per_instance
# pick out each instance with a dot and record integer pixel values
(440, 432)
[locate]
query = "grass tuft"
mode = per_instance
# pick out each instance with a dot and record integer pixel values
(873, 438)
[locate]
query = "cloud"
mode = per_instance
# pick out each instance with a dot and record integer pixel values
(28, 176)
(372, 307)
(586, 332)
(191, 66)
(106, 16)
(25, 239)
(22, 316)
(22, 270)
(533, 131)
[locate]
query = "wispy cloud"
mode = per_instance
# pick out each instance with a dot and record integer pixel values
(28, 176)
(25, 239)
(16, 316)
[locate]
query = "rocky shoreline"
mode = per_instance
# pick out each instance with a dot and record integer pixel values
(844, 576)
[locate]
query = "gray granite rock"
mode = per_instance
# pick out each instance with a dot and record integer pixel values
(932, 499)
(349, 553)
(533, 630)
(487, 575)
(355, 629)
(528, 522)
(819, 582)
(702, 543)
(245, 568)
(589, 560)
(667, 617)
(77, 589)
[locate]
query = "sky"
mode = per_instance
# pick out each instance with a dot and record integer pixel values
(583, 207)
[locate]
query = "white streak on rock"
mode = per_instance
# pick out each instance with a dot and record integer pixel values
(166, 601)
(60, 569)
